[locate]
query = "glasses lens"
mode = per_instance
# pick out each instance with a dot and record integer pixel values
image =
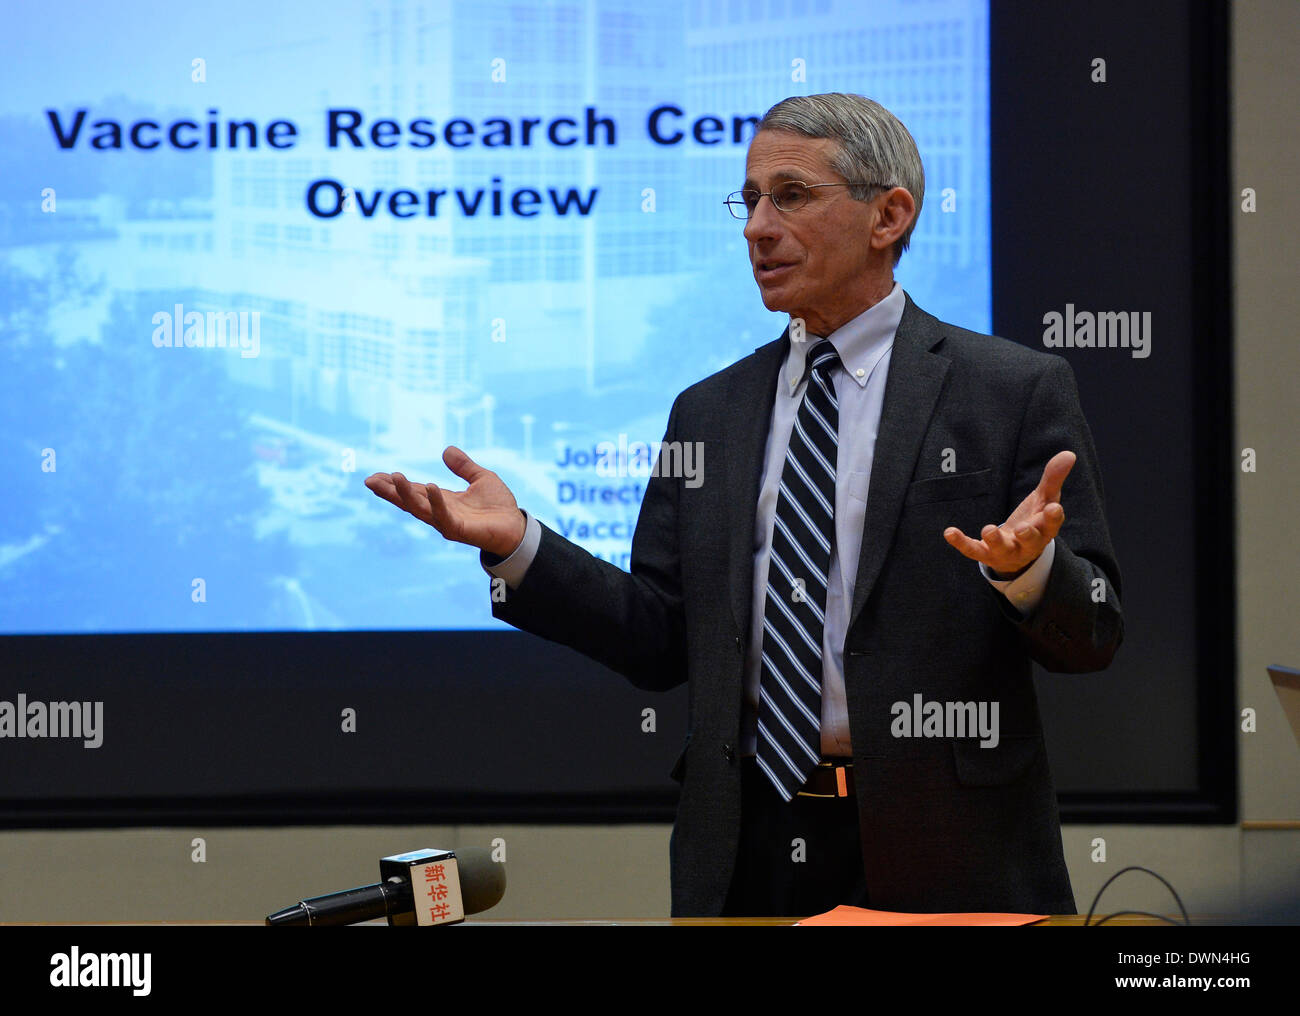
(789, 196)
(737, 205)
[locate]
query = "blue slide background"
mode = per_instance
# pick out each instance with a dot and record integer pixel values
(209, 489)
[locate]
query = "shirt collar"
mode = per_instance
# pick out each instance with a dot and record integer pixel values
(861, 342)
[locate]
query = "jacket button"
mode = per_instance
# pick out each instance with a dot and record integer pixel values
(739, 649)
(729, 753)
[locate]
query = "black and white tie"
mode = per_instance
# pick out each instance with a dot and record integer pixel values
(794, 616)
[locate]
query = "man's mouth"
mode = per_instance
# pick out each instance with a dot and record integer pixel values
(771, 269)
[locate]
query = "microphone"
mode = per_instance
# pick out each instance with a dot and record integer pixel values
(421, 888)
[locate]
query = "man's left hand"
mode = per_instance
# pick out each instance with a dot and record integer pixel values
(1017, 543)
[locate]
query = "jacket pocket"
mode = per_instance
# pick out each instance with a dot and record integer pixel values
(994, 767)
(950, 488)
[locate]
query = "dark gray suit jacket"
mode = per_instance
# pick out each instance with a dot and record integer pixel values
(947, 825)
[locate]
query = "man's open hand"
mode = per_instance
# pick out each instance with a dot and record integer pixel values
(485, 515)
(1019, 541)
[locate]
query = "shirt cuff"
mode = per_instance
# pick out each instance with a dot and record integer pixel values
(1025, 591)
(512, 568)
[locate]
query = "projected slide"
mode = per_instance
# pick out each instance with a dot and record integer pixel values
(249, 256)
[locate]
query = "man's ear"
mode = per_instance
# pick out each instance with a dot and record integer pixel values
(895, 211)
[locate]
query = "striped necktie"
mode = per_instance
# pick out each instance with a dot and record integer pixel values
(803, 530)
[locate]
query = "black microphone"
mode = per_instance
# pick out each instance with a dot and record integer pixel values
(421, 888)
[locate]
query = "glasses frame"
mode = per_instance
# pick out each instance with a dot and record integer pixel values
(735, 197)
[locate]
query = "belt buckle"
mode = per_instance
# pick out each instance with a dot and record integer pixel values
(841, 781)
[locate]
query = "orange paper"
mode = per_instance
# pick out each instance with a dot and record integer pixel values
(859, 917)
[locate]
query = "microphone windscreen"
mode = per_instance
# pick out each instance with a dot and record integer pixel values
(482, 880)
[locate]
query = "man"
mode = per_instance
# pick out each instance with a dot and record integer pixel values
(863, 725)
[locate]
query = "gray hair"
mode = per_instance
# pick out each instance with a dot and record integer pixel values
(873, 144)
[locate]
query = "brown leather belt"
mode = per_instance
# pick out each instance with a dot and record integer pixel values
(832, 778)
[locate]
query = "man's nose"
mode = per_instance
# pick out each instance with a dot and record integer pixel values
(765, 222)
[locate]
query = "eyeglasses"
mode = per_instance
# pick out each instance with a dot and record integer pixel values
(788, 197)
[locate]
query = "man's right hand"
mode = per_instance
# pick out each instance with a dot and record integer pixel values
(485, 515)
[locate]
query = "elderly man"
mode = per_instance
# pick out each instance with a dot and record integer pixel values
(863, 725)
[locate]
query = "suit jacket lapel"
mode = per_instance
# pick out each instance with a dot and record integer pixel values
(915, 379)
(748, 412)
